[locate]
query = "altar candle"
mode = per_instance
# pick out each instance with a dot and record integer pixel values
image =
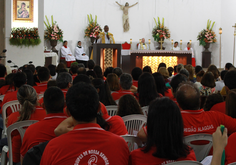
(139, 40)
(190, 42)
(172, 41)
(149, 41)
(130, 40)
(180, 41)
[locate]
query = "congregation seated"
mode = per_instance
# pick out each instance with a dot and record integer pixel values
(118, 71)
(190, 70)
(164, 72)
(30, 77)
(73, 70)
(108, 71)
(113, 82)
(136, 73)
(147, 69)
(213, 69)
(43, 76)
(9, 85)
(175, 81)
(90, 64)
(98, 71)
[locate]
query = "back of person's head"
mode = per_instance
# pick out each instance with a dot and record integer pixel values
(170, 70)
(64, 80)
(175, 81)
(188, 96)
(228, 66)
(146, 89)
(52, 83)
(53, 99)
(31, 67)
(175, 69)
(108, 71)
(208, 80)
(63, 71)
(230, 79)
(19, 79)
(147, 69)
(214, 70)
(43, 74)
(2, 70)
(9, 79)
(184, 72)
(52, 69)
(60, 66)
(81, 65)
(160, 83)
(164, 72)
(83, 102)
(190, 70)
(113, 82)
(200, 73)
(222, 74)
(81, 70)
(136, 72)
(37, 68)
(30, 77)
(103, 92)
(98, 71)
(164, 116)
(27, 97)
(74, 69)
(198, 68)
(179, 67)
(81, 78)
(211, 100)
(91, 74)
(118, 71)
(230, 103)
(126, 81)
(128, 105)
(162, 64)
(91, 64)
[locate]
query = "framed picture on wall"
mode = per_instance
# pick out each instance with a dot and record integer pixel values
(23, 10)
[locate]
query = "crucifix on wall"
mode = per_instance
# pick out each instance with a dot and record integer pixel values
(126, 15)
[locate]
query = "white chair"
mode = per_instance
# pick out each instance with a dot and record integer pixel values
(117, 102)
(112, 109)
(40, 96)
(1, 97)
(145, 110)
(234, 163)
(21, 128)
(201, 151)
(131, 141)
(187, 162)
(134, 123)
(14, 106)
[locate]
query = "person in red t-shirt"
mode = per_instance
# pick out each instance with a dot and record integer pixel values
(136, 73)
(90, 143)
(165, 138)
(27, 97)
(125, 83)
(73, 70)
(43, 76)
(43, 130)
(9, 86)
(230, 149)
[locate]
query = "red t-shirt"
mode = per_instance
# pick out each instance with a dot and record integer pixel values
(220, 107)
(230, 149)
(41, 87)
(86, 144)
(73, 76)
(169, 94)
(138, 157)
(118, 94)
(116, 125)
(6, 89)
(11, 96)
(41, 131)
(135, 83)
(39, 114)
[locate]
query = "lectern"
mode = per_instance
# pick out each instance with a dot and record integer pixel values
(99, 51)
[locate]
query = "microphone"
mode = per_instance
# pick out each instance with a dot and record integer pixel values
(4, 51)
(14, 66)
(30, 62)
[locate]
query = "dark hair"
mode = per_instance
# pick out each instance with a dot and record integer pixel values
(176, 42)
(74, 69)
(214, 70)
(198, 68)
(104, 92)
(51, 83)
(30, 77)
(147, 69)
(222, 74)
(208, 80)
(200, 73)
(64, 42)
(82, 101)
(162, 64)
(19, 79)
(175, 81)
(126, 81)
(146, 89)
(136, 72)
(228, 65)
(128, 105)
(98, 71)
(164, 116)
(211, 100)
(190, 70)
(170, 70)
(230, 103)
(188, 96)
(9, 80)
(52, 69)
(53, 99)
(63, 71)
(175, 69)
(37, 68)
(91, 64)
(160, 83)
(60, 66)
(43, 74)
(230, 79)
(91, 74)
(118, 71)
(63, 80)
(108, 71)
(31, 67)
(81, 78)
(81, 70)
(184, 72)
(113, 82)
(79, 41)
(2, 70)
(179, 67)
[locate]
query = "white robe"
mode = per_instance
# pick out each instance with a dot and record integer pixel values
(79, 54)
(177, 48)
(65, 53)
(144, 47)
(191, 49)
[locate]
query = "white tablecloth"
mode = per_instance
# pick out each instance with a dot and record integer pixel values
(54, 57)
(128, 52)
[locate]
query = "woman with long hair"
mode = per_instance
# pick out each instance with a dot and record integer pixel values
(113, 82)
(165, 136)
(208, 84)
(231, 104)
(161, 86)
(98, 70)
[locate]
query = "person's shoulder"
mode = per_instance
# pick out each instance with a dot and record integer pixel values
(110, 34)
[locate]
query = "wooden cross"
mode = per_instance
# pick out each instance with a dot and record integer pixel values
(161, 43)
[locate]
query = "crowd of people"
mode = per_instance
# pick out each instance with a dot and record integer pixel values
(75, 128)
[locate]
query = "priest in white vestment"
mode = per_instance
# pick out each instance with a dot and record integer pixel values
(67, 54)
(80, 54)
(176, 46)
(143, 45)
(188, 48)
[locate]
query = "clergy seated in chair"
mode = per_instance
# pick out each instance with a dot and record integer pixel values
(80, 54)
(67, 54)
(126, 46)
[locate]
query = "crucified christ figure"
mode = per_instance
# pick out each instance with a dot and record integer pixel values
(126, 15)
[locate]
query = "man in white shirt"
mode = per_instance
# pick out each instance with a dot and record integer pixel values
(188, 48)
(66, 52)
(143, 45)
(80, 55)
(176, 46)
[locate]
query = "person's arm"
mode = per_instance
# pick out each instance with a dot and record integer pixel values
(133, 5)
(142, 135)
(64, 127)
(219, 143)
(69, 52)
(63, 52)
(133, 89)
(118, 4)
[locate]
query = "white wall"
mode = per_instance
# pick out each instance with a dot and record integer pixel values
(22, 55)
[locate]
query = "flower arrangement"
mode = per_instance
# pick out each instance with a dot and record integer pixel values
(24, 36)
(160, 31)
(93, 29)
(52, 32)
(207, 35)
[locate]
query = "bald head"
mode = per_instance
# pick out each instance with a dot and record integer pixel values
(188, 96)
